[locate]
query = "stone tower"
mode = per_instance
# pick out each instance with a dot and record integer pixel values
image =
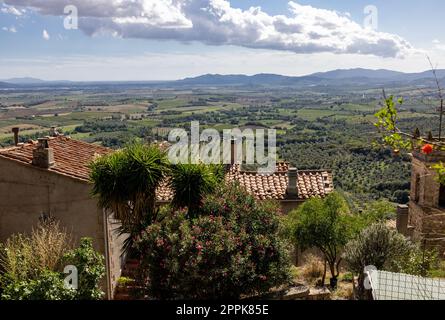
(426, 209)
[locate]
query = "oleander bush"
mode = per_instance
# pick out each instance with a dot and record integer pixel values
(231, 249)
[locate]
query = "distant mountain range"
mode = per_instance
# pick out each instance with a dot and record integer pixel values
(335, 77)
(331, 78)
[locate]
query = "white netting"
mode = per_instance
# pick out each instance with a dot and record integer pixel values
(398, 286)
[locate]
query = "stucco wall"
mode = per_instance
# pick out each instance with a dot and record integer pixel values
(116, 260)
(289, 205)
(26, 193)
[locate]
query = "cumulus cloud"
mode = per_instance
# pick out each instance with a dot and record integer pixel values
(45, 35)
(11, 10)
(305, 29)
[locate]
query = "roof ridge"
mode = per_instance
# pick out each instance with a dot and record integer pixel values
(314, 170)
(83, 142)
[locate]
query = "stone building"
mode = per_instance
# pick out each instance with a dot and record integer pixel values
(51, 178)
(423, 219)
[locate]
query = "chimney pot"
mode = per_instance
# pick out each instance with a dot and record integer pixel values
(53, 132)
(292, 187)
(16, 131)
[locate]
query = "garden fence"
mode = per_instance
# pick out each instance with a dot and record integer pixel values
(398, 286)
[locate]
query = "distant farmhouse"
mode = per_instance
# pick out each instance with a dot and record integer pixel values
(51, 177)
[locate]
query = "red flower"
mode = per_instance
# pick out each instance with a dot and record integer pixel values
(427, 149)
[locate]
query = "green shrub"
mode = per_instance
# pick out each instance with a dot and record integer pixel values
(231, 249)
(90, 267)
(48, 285)
(25, 257)
(25, 276)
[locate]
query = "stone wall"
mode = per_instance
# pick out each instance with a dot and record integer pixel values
(426, 221)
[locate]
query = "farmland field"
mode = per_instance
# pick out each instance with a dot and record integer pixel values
(314, 129)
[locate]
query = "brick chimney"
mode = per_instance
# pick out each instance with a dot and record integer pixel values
(292, 187)
(43, 155)
(16, 131)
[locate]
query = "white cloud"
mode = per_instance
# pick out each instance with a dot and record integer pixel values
(305, 29)
(45, 35)
(11, 29)
(11, 10)
(438, 45)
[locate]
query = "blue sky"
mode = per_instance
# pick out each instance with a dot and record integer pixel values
(191, 37)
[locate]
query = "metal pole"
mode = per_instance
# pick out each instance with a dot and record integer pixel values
(441, 117)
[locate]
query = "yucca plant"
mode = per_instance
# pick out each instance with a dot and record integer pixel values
(125, 183)
(191, 182)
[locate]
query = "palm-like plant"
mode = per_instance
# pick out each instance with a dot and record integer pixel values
(191, 182)
(125, 183)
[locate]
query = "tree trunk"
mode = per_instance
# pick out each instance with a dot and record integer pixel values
(323, 279)
(361, 292)
(334, 276)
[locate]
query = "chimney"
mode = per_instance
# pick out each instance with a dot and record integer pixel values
(232, 151)
(292, 187)
(43, 155)
(402, 219)
(53, 132)
(16, 131)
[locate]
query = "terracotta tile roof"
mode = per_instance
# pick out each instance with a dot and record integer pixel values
(164, 193)
(72, 157)
(311, 183)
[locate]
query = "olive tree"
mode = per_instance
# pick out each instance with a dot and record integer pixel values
(325, 224)
(386, 249)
